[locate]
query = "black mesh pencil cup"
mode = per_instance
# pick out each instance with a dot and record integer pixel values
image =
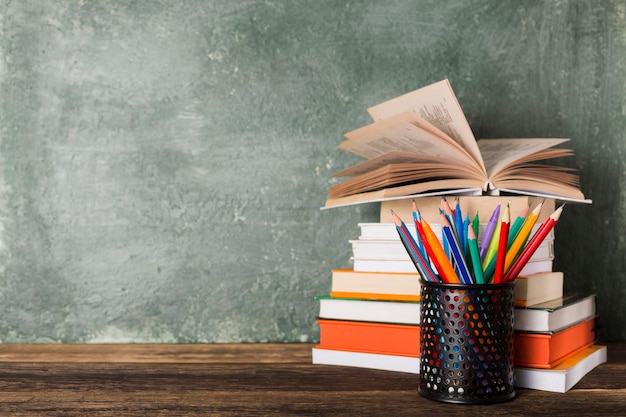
(466, 343)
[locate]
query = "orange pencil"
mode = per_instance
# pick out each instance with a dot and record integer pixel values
(438, 256)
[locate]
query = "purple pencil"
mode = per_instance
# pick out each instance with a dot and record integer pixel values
(491, 226)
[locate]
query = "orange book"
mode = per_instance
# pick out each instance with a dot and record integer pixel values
(374, 296)
(370, 337)
(546, 350)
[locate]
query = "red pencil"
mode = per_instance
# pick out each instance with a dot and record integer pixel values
(532, 245)
(502, 245)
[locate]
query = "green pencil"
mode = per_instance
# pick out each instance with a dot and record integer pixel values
(473, 249)
(517, 225)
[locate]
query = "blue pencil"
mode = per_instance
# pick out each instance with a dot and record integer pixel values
(461, 266)
(420, 244)
(410, 245)
(458, 226)
(465, 237)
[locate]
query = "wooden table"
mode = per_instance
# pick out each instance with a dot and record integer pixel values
(253, 379)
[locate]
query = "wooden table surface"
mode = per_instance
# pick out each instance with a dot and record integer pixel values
(255, 380)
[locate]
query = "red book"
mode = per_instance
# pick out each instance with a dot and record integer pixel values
(546, 350)
(370, 337)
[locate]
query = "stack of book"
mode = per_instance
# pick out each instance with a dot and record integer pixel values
(420, 146)
(371, 316)
(554, 341)
(370, 320)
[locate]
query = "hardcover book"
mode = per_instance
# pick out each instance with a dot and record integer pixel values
(555, 314)
(384, 338)
(546, 350)
(401, 312)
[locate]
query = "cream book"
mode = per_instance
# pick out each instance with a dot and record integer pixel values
(421, 144)
(538, 288)
(347, 283)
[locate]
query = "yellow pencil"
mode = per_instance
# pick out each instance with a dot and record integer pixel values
(522, 237)
(493, 245)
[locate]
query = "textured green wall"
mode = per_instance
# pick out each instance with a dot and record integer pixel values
(162, 164)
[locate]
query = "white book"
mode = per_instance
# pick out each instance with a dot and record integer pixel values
(397, 265)
(408, 364)
(565, 375)
(556, 314)
(387, 231)
(394, 249)
(400, 312)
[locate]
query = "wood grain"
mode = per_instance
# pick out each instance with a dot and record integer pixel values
(251, 379)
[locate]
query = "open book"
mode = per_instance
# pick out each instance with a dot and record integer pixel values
(421, 144)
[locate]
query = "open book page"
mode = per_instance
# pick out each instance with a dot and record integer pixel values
(397, 157)
(402, 133)
(394, 175)
(538, 173)
(500, 153)
(548, 189)
(437, 104)
(420, 189)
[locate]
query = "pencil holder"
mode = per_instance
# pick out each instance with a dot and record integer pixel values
(466, 343)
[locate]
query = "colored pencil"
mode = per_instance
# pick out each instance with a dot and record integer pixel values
(465, 226)
(489, 270)
(504, 238)
(475, 256)
(493, 244)
(476, 226)
(453, 244)
(458, 226)
(522, 237)
(517, 225)
(422, 235)
(420, 245)
(532, 245)
(445, 207)
(491, 225)
(411, 247)
(416, 220)
(438, 256)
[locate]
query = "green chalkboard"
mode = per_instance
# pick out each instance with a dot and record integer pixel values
(162, 164)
